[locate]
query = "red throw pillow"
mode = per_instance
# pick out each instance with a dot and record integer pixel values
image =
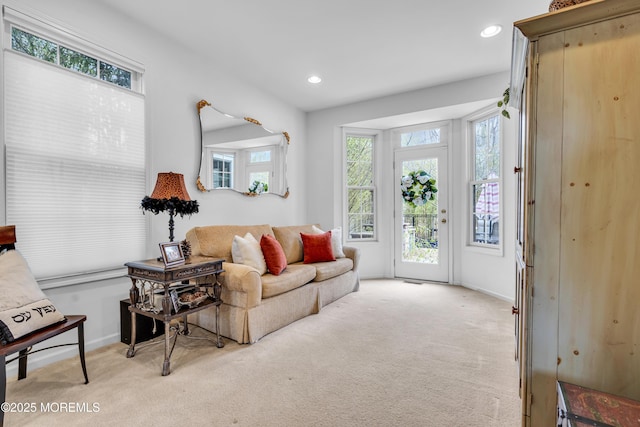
(317, 247)
(273, 254)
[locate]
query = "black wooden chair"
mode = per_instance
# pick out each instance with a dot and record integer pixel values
(23, 345)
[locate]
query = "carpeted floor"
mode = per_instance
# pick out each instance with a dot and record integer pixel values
(393, 354)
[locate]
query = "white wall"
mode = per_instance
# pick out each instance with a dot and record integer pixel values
(174, 81)
(471, 268)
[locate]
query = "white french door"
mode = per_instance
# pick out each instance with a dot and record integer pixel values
(422, 231)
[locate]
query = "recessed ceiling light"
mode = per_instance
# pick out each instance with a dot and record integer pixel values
(314, 79)
(491, 30)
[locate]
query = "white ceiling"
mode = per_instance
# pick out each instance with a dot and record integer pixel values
(362, 49)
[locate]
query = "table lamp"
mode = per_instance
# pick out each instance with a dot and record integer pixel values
(170, 195)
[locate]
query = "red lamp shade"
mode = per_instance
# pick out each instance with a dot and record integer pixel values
(170, 185)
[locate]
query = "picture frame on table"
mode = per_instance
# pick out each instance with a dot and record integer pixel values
(172, 254)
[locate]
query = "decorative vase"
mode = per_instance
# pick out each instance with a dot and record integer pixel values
(559, 4)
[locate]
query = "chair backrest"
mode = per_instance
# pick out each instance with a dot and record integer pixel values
(7, 237)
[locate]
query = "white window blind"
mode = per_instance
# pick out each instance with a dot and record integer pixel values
(75, 168)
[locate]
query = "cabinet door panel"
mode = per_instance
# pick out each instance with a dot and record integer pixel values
(599, 329)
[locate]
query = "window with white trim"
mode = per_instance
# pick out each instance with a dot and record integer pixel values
(223, 169)
(74, 141)
(484, 185)
(360, 184)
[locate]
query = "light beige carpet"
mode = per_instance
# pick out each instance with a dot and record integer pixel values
(393, 354)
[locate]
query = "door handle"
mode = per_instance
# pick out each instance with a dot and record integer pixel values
(444, 220)
(515, 310)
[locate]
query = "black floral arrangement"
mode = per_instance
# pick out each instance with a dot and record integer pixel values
(173, 205)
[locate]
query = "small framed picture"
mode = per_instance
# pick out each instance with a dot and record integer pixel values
(174, 301)
(172, 254)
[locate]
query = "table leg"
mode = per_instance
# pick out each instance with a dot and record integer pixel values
(186, 325)
(132, 347)
(166, 309)
(219, 342)
(166, 369)
(134, 294)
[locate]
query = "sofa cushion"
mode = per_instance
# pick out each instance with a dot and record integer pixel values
(290, 240)
(336, 240)
(328, 270)
(291, 278)
(273, 254)
(246, 250)
(317, 247)
(215, 240)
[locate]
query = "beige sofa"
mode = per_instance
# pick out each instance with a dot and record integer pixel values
(255, 305)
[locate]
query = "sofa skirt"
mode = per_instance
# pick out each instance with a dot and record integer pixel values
(249, 325)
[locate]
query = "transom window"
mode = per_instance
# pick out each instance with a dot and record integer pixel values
(55, 53)
(484, 185)
(420, 137)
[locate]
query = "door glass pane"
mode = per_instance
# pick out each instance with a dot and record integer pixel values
(420, 223)
(259, 182)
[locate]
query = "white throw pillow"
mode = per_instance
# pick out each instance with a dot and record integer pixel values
(336, 240)
(18, 287)
(24, 308)
(246, 250)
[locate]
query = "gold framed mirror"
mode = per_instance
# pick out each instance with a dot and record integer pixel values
(240, 154)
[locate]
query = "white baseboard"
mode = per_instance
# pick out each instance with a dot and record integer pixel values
(493, 294)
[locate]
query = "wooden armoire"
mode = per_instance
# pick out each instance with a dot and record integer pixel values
(576, 82)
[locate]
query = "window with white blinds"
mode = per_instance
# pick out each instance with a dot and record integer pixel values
(75, 168)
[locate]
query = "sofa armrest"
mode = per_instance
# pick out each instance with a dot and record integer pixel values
(354, 254)
(242, 278)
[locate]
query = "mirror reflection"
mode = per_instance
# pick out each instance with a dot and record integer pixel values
(240, 154)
